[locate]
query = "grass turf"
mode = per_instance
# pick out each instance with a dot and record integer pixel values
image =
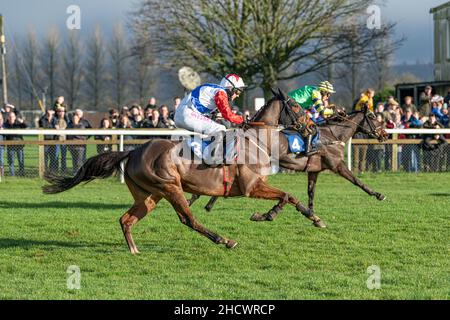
(407, 236)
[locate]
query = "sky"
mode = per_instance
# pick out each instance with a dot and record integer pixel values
(412, 17)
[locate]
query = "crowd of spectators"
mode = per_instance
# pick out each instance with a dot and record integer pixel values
(432, 154)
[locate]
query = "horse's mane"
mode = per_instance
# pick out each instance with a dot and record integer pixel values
(276, 97)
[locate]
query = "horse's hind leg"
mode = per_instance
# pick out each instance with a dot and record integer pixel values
(137, 212)
(312, 181)
(343, 171)
(263, 191)
(181, 206)
(193, 199)
(212, 201)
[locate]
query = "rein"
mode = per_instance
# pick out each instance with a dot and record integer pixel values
(364, 130)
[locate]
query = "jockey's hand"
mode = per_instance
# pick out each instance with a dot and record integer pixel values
(327, 112)
(246, 124)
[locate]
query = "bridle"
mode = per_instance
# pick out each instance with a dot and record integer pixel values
(373, 132)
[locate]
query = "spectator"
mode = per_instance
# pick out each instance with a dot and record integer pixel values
(114, 117)
(164, 119)
(376, 152)
(176, 104)
(366, 100)
(124, 111)
(447, 98)
(152, 103)
(425, 101)
(409, 105)
(10, 108)
(15, 123)
(2, 148)
(86, 125)
(62, 123)
(125, 123)
(78, 152)
(83, 120)
(433, 153)
(136, 123)
(59, 103)
(437, 103)
(102, 148)
(48, 121)
(411, 152)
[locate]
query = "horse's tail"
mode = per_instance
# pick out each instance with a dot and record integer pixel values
(99, 167)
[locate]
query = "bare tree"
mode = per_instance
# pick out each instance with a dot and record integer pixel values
(72, 71)
(141, 63)
(31, 65)
(95, 68)
(17, 77)
(51, 61)
(266, 41)
(120, 54)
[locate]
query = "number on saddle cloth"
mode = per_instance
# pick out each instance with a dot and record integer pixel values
(297, 143)
(198, 147)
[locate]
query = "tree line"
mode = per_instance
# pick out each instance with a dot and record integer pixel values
(95, 73)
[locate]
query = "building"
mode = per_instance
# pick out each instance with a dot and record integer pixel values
(441, 84)
(441, 17)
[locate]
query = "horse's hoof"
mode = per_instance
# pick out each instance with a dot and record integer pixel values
(258, 217)
(208, 209)
(231, 244)
(381, 197)
(319, 224)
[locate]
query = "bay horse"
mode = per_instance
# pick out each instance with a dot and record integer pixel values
(333, 137)
(153, 172)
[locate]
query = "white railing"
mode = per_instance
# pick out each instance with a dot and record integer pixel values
(121, 133)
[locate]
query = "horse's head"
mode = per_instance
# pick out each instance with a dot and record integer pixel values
(280, 110)
(370, 125)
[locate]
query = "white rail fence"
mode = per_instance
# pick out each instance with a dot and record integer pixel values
(37, 149)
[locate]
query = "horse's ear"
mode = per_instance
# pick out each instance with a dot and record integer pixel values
(275, 94)
(282, 94)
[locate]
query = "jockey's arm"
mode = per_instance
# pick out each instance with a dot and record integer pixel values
(222, 104)
(317, 102)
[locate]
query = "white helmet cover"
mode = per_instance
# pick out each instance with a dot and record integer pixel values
(233, 81)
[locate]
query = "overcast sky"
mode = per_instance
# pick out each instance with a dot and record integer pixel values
(412, 16)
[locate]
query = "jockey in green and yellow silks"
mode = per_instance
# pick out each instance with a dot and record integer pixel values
(314, 99)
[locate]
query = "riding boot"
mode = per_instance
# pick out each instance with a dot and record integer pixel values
(310, 150)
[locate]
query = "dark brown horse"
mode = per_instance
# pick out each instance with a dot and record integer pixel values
(333, 137)
(155, 171)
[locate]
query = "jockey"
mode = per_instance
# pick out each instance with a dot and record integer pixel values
(194, 108)
(316, 100)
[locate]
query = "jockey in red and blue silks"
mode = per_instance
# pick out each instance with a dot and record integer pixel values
(191, 114)
(207, 98)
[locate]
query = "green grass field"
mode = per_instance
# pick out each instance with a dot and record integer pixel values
(407, 236)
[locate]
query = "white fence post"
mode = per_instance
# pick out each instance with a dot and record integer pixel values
(349, 154)
(122, 165)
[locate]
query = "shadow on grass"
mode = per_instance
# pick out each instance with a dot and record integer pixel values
(62, 205)
(29, 243)
(441, 194)
(100, 247)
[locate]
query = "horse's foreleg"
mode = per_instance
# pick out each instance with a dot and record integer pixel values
(263, 191)
(347, 174)
(181, 206)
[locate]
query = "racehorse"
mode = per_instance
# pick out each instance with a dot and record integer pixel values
(154, 171)
(333, 137)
